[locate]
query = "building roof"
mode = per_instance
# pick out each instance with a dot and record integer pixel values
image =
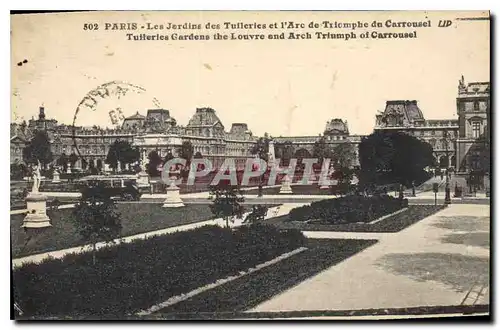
(136, 116)
(336, 126)
(472, 88)
(204, 117)
(409, 109)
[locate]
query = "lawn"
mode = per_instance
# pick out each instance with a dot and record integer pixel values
(131, 277)
(136, 218)
(394, 223)
(249, 291)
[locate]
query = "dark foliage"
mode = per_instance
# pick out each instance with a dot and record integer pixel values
(226, 202)
(38, 149)
(154, 161)
(135, 276)
(96, 216)
(123, 152)
(18, 171)
(349, 209)
(284, 152)
(257, 215)
(393, 157)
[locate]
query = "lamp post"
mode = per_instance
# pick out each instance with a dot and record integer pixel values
(447, 198)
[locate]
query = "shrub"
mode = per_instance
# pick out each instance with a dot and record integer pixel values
(349, 209)
(135, 276)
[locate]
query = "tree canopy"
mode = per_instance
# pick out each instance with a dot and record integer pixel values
(154, 161)
(343, 155)
(321, 150)
(284, 151)
(123, 152)
(226, 202)
(96, 217)
(261, 148)
(38, 149)
(393, 157)
(186, 151)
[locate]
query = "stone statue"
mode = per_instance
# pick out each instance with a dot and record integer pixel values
(36, 178)
(271, 156)
(143, 161)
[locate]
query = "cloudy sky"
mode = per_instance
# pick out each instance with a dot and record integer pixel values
(283, 87)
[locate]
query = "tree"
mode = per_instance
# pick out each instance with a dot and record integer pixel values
(393, 157)
(186, 151)
(84, 164)
(344, 176)
(122, 151)
(257, 215)
(284, 151)
(226, 202)
(200, 166)
(321, 150)
(261, 150)
(343, 155)
(154, 161)
(18, 171)
(38, 149)
(73, 158)
(63, 161)
(96, 217)
(169, 156)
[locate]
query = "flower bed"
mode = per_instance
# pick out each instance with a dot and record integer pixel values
(135, 276)
(348, 209)
(391, 224)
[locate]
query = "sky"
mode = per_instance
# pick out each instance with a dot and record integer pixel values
(282, 87)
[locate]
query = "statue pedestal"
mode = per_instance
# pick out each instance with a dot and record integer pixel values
(142, 179)
(173, 197)
(37, 214)
(286, 186)
(55, 177)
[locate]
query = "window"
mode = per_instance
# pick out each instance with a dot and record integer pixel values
(433, 132)
(476, 128)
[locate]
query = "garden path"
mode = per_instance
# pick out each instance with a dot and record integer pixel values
(435, 262)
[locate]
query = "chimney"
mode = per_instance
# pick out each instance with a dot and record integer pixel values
(41, 113)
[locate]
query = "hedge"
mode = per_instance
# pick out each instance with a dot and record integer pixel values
(135, 276)
(349, 209)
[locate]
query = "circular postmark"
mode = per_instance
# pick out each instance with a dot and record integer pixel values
(107, 105)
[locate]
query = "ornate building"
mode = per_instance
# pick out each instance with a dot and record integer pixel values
(473, 143)
(405, 116)
(158, 131)
(336, 132)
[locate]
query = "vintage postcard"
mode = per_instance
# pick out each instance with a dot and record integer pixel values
(181, 165)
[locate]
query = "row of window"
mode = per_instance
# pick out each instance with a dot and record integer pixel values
(335, 137)
(450, 133)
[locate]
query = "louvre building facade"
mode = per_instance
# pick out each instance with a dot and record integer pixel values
(462, 143)
(156, 130)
